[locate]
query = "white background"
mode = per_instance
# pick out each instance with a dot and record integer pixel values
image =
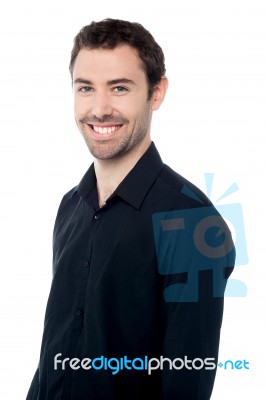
(213, 120)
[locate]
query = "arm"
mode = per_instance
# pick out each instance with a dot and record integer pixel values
(192, 332)
(196, 256)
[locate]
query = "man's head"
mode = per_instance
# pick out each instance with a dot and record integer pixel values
(118, 80)
(111, 33)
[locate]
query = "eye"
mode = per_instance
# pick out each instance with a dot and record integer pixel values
(85, 89)
(120, 89)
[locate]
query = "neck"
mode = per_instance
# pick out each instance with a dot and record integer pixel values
(110, 173)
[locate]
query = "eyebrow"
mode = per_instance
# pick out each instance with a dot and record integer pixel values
(109, 83)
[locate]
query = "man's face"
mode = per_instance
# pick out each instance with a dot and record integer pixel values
(111, 107)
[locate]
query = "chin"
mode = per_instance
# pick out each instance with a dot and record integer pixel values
(107, 152)
(102, 154)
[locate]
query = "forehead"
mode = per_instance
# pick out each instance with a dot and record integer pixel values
(123, 61)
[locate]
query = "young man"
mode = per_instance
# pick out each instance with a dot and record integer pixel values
(136, 302)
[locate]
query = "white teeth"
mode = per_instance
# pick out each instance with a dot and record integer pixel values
(105, 130)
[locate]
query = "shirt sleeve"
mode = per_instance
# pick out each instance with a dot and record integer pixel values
(191, 342)
(193, 314)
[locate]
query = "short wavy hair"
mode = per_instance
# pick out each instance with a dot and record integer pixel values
(110, 33)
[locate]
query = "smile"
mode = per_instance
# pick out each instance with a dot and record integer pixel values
(104, 130)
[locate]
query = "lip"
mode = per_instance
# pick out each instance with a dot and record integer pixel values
(104, 136)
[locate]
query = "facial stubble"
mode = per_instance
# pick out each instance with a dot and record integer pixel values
(120, 145)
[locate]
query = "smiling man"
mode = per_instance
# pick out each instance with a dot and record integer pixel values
(113, 330)
(113, 110)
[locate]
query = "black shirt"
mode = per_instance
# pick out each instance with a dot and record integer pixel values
(108, 298)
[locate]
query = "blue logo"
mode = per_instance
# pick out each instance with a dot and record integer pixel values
(230, 364)
(197, 239)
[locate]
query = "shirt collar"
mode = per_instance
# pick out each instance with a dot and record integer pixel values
(135, 185)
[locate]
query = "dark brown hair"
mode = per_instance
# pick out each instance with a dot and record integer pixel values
(110, 33)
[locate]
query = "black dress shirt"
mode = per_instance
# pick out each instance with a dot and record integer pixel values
(108, 295)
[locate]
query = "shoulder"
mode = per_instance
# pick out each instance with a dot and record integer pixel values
(68, 201)
(174, 185)
(69, 197)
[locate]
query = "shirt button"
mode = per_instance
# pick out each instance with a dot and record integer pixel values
(86, 264)
(78, 313)
(97, 216)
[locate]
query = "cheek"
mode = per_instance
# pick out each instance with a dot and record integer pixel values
(81, 106)
(76, 107)
(130, 110)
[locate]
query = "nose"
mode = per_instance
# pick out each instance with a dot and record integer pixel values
(101, 105)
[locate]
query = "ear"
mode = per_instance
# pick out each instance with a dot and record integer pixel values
(158, 94)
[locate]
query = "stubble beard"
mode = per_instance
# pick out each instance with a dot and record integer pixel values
(117, 147)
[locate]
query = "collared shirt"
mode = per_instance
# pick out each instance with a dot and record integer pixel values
(109, 315)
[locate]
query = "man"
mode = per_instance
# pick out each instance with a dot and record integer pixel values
(133, 312)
